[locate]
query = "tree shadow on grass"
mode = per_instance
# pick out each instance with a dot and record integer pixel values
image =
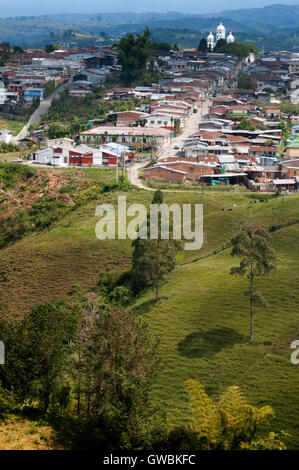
(208, 343)
(146, 306)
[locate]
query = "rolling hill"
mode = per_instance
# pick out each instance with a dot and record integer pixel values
(202, 319)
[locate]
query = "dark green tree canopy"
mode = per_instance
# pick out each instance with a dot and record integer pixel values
(203, 45)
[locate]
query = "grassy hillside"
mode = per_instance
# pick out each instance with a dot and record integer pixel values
(46, 264)
(203, 325)
(202, 318)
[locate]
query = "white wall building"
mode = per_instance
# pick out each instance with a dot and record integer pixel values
(5, 136)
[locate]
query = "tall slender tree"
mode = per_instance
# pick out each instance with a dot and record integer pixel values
(152, 259)
(253, 246)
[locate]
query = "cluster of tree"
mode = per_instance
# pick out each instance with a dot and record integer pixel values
(55, 131)
(245, 125)
(290, 109)
(6, 148)
(52, 47)
(164, 46)
(89, 364)
(135, 56)
(6, 52)
(230, 423)
(246, 82)
(238, 49)
(86, 358)
(68, 108)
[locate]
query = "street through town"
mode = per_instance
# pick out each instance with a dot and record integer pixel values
(191, 125)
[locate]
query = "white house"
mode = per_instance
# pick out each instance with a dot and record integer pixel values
(5, 136)
(55, 156)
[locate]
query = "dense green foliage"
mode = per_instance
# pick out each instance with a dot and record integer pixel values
(238, 49)
(87, 359)
(134, 55)
(203, 45)
(70, 115)
(246, 82)
(230, 423)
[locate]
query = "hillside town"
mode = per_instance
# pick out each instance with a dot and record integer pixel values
(149, 238)
(199, 126)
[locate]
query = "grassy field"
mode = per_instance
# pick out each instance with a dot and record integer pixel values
(8, 157)
(12, 125)
(202, 318)
(24, 434)
(45, 265)
(203, 324)
(95, 175)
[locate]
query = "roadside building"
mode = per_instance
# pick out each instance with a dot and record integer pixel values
(126, 135)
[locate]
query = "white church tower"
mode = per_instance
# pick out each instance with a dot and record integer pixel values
(211, 41)
(220, 32)
(230, 38)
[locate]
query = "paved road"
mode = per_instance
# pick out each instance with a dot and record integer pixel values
(190, 127)
(36, 116)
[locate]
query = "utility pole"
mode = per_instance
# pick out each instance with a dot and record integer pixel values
(116, 169)
(124, 169)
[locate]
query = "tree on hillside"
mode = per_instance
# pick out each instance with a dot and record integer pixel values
(152, 259)
(245, 125)
(164, 46)
(49, 48)
(220, 46)
(115, 363)
(238, 49)
(38, 348)
(133, 55)
(18, 50)
(246, 82)
(203, 45)
(253, 246)
(229, 423)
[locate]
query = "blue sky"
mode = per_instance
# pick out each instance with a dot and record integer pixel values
(39, 7)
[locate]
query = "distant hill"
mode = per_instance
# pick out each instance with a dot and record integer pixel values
(271, 27)
(202, 24)
(278, 15)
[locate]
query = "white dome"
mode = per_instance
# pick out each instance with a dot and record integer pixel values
(211, 37)
(220, 28)
(220, 32)
(230, 38)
